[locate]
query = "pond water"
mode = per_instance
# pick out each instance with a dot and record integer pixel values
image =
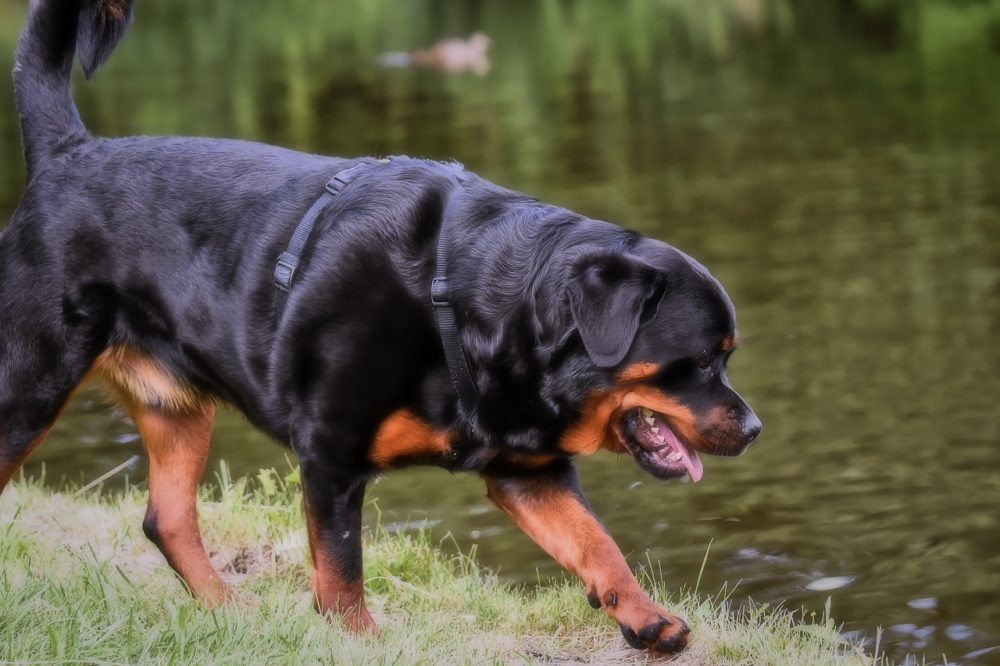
(836, 165)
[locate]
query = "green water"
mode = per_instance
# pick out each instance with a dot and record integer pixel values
(836, 165)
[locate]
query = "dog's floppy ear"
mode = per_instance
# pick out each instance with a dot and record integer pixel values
(608, 296)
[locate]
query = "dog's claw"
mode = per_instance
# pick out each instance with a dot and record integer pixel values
(671, 644)
(631, 638)
(651, 632)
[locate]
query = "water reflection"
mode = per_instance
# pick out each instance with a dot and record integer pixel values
(835, 164)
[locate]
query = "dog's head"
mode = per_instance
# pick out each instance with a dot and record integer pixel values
(662, 329)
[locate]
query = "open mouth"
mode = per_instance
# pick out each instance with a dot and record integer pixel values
(656, 448)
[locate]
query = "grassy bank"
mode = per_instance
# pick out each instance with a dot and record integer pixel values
(80, 583)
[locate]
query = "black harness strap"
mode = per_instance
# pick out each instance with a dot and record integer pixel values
(454, 354)
(288, 261)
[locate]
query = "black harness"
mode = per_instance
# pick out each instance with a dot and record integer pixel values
(288, 262)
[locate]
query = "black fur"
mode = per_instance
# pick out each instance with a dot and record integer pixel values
(168, 245)
(101, 25)
(608, 293)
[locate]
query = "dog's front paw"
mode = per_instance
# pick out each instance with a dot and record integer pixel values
(656, 630)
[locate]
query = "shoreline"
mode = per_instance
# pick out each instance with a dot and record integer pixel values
(80, 583)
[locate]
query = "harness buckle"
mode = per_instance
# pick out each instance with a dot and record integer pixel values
(440, 292)
(284, 271)
(342, 178)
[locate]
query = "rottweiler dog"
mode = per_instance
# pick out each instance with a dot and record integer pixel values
(152, 263)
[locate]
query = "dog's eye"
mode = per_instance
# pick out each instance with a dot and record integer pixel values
(704, 361)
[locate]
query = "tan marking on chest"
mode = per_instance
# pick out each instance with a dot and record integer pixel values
(404, 435)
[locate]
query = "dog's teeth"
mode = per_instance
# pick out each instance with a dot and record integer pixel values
(655, 430)
(647, 412)
(686, 478)
(675, 457)
(650, 420)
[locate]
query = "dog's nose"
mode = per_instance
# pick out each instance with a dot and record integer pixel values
(751, 427)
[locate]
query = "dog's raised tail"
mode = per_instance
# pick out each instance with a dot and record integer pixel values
(54, 31)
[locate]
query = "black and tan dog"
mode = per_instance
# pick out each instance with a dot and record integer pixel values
(149, 262)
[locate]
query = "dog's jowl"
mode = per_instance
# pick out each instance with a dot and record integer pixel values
(367, 313)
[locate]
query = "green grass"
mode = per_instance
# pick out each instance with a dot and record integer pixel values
(80, 584)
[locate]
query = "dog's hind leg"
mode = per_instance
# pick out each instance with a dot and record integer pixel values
(13, 452)
(177, 443)
(38, 374)
(52, 328)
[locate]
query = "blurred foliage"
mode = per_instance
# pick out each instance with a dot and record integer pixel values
(556, 64)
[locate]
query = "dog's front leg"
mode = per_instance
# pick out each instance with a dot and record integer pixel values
(333, 500)
(551, 509)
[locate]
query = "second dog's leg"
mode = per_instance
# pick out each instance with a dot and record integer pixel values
(177, 444)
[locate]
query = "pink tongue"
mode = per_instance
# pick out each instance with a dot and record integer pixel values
(689, 457)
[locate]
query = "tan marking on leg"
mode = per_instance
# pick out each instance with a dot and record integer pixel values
(175, 423)
(177, 444)
(558, 522)
(555, 518)
(404, 435)
(334, 595)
